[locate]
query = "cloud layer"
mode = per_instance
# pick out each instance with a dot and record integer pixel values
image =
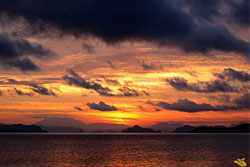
(101, 106)
(42, 90)
(76, 80)
(230, 74)
(161, 22)
(21, 93)
(182, 84)
(33, 86)
(221, 84)
(15, 52)
(186, 105)
(78, 108)
(236, 11)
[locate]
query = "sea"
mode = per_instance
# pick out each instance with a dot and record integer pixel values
(122, 150)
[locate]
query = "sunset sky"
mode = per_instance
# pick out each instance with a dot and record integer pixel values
(125, 61)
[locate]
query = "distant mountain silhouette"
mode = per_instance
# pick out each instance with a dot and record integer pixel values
(62, 129)
(104, 127)
(20, 128)
(243, 128)
(138, 129)
(166, 127)
(60, 122)
(55, 124)
(184, 129)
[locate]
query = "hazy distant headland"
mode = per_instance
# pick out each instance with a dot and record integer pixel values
(68, 125)
(56, 124)
(138, 129)
(184, 129)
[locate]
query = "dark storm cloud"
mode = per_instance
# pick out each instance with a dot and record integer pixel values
(149, 102)
(102, 106)
(34, 87)
(243, 101)
(112, 82)
(151, 66)
(192, 73)
(233, 10)
(77, 80)
(88, 46)
(157, 109)
(42, 90)
(25, 65)
(186, 105)
(157, 21)
(221, 98)
(145, 93)
(210, 36)
(14, 52)
(128, 92)
(21, 93)
(221, 84)
(144, 109)
(78, 108)
(240, 11)
(11, 81)
(231, 74)
(190, 106)
(182, 84)
(204, 9)
(110, 64)
(146, 66)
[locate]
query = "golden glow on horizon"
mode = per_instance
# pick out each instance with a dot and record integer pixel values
(127, 70)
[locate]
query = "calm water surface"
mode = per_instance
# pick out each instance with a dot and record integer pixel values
(139, 150)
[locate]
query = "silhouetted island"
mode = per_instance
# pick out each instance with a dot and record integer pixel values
(243, 128)
(138, 129)
(21, 128)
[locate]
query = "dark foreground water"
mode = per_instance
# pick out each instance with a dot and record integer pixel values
(170, 150)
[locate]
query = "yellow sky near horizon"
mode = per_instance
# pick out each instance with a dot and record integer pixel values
(128, 70)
